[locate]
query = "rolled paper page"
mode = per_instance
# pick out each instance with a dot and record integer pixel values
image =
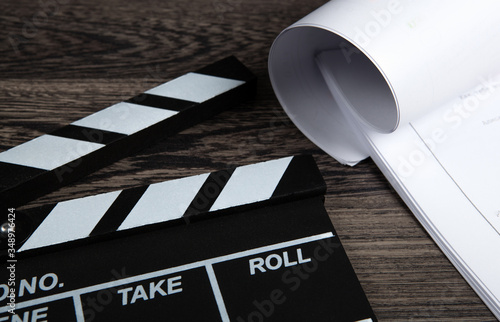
(55, 159)
(392, 62)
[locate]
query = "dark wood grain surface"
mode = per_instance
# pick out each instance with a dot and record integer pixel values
(60, 60)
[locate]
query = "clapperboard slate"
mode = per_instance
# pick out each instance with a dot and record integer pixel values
(252, 243)
(247, 244)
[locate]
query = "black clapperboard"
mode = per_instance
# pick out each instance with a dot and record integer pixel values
(251, 243)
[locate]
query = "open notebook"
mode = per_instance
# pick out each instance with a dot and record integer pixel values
(416, 87)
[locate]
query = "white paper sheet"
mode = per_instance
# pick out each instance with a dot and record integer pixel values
(411, 84)
(446, 170)
(464, 138)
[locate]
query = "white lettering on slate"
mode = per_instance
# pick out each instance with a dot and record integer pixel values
(139, 292)
(36, 316)
(275, 261)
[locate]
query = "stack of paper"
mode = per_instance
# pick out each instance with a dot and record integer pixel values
(415, 85)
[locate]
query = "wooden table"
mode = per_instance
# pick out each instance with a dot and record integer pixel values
(64, 59)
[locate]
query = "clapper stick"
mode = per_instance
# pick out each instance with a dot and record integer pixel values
(50, 161)
(177, 201)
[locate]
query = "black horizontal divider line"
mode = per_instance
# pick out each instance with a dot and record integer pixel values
(30, 183)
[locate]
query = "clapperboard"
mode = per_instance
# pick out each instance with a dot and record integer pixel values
(47, 162)
(251, 243)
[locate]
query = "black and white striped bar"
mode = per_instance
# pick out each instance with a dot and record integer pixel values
(183, 199)
(55, 159)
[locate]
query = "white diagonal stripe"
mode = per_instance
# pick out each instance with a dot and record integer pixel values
(164, 201)
(125, 118)
(48, 152)
(251, 183)
(195, 87)
(70, 220)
